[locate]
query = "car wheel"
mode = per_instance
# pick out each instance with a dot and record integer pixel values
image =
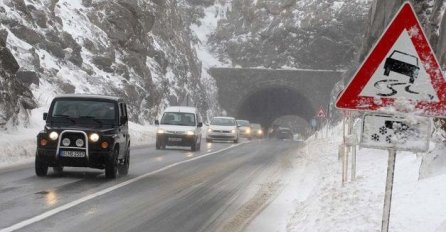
(412, 80)
(41, 167)
(157, 145)
(193, 147)
(124, 168)
(58, 170)
(236, 140)
(111, 168)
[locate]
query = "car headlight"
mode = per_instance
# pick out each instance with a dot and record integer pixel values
(190, 133)
(248, 131)
(94, 137)
(160, 131)
(259, 132)
(54, 135)
(209, 130)
(233, 131)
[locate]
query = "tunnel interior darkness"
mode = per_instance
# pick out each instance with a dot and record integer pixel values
(266, 105)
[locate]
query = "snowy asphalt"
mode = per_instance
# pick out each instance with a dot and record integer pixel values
(166, 190)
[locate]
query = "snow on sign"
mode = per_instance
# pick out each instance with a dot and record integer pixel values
(393, 132)
(401, 71)
(321, 113)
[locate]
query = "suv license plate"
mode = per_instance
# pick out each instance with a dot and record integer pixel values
(175, 139)
(72, 154)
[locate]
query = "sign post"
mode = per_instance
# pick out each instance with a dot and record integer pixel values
(388, 193)
(400, 76)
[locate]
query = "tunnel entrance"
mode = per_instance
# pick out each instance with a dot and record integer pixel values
(268, 104)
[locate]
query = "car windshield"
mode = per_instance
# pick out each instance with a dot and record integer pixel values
(178, 118)
(223, 122)
(84, 110)
(256, 126)
(243, 123)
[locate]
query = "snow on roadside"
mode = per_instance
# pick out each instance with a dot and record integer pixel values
(315, 200)
(18, 145)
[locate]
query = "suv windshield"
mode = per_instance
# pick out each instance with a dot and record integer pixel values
(80, 110)
(223, 122)
(178, 118)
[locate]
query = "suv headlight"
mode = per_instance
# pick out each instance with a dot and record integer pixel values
(54, 135)
(190, 133)
(209, 130)
(160, 131)
(233, 131)
(94, 137)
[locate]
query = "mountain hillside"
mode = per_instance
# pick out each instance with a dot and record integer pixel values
(138, 49)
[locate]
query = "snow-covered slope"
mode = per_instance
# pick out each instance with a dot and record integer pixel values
(315, 200)
(141, 50)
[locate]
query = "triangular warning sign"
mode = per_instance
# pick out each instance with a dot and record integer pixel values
(402, 68)
(321, 113)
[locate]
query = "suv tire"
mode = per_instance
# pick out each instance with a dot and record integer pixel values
(124, 168)
(41, 167)
(111, 167)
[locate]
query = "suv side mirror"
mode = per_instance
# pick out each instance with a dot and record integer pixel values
(157, 122)
(124, 120)
(200, 124)
(45, 116)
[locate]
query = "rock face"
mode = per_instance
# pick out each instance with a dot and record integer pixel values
(304, 34)
(15, 98)
(430, 13)
(140, 50)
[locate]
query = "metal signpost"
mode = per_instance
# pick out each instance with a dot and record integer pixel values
(400, 76)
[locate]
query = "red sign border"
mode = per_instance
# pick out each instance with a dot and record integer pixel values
(404, 19)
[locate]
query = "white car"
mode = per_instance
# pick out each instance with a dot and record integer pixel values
(223, 128)
(179, 126)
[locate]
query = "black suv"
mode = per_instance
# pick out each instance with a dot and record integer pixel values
(84, 131)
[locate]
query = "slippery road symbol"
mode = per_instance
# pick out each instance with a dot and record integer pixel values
(402, 63)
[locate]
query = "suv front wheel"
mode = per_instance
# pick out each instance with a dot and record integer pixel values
(111, 167)
(124, 167)
(41, 167)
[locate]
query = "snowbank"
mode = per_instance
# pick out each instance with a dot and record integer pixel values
(315, 200)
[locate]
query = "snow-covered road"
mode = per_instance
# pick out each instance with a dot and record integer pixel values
(221, 187)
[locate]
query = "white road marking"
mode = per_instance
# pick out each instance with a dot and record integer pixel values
(102, 192)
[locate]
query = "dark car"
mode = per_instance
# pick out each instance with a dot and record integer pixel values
(284, 133)
(84, 131)
(402, 63)
(257, 130)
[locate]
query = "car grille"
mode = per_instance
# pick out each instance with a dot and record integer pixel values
(221, 131)
(175, 132)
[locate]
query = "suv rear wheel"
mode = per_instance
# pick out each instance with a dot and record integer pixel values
(111, 168)
(41, 167)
